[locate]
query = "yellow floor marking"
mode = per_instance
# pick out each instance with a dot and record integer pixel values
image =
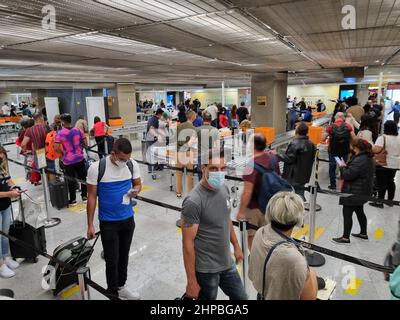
(298, 233)
(146, 188)
(354, 286)
(318, 232)
(379, 233)
(18, 180)
(70, 292)
(179, 230)
(79, 208)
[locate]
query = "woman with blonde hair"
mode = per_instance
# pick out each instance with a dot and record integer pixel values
(278, 267)
(7, 191)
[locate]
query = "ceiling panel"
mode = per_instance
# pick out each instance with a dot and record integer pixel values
(200, 41)
(63, 47)
(39, 56)
(80, 13)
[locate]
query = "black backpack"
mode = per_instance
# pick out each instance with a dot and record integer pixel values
(340, 140)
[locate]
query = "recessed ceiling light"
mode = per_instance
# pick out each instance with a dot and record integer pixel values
(210, 45)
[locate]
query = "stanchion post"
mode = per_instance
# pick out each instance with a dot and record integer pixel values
(243, 239)
(50, 222)
(83, 288)
(314, 259)
(184, 181)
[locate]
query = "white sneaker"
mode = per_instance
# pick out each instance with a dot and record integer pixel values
(125, 294)
(6, 272)
(12, 264)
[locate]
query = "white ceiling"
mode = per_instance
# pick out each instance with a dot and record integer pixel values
(197, 42)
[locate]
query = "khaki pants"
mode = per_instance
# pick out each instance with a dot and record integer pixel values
(184, 160)
(255, 217)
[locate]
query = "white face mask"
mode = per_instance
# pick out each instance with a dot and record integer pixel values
(121, 164)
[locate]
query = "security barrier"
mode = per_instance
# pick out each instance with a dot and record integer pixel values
(84, 274)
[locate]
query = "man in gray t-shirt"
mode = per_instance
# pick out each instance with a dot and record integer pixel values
(207, 139)
(207, 232)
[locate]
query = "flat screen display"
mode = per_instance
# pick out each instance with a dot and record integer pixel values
(346, 94)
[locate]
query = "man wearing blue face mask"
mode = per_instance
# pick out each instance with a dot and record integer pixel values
(207, 232)
(114, 180)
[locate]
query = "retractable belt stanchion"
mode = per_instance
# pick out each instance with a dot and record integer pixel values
(317, 206)
(243, 239)
(82, 272)
(50, 222)
(314, 259)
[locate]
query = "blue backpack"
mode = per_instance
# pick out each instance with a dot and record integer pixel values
(395, 284)
(271, 183)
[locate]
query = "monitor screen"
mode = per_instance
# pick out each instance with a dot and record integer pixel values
(346, 94)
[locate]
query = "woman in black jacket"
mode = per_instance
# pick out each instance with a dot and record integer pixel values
(358, 180)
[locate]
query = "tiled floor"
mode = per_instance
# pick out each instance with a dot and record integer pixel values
(156, 267)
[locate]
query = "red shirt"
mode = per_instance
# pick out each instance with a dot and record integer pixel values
(223, 121)
(338, 123)
(19, 142)
(99, 129)
(37, 135)
(254, 177)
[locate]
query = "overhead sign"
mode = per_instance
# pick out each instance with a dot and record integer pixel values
(261, 100)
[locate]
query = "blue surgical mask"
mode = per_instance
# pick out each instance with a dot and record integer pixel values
(216, 179)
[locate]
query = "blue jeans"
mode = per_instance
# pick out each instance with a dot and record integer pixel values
(5, 221)
(332, 168)
(229, 281)
(51, 165)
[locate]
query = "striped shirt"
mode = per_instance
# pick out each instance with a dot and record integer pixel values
(37, 135)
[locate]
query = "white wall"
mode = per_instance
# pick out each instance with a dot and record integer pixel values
(314, 92)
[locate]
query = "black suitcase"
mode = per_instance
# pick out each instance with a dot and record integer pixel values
(58, 194)
(75, 253)
(28, 234)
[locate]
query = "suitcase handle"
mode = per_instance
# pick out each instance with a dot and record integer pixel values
(84, 245)
(21, 208)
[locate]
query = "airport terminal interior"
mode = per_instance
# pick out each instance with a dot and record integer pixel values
(257, 68)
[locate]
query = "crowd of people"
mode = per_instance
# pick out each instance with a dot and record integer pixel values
(278, 267)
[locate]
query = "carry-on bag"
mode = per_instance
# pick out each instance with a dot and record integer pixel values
(76, 253)
(27, 233)
(58, 194)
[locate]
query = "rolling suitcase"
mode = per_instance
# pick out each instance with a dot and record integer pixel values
(28, 234)
(58, 194)
(75, 253)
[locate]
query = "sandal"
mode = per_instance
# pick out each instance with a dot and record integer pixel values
(179, 195)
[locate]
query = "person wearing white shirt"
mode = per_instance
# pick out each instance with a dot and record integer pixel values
(213, 110)
(6, 109)
(365, 131)
(389, 141)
